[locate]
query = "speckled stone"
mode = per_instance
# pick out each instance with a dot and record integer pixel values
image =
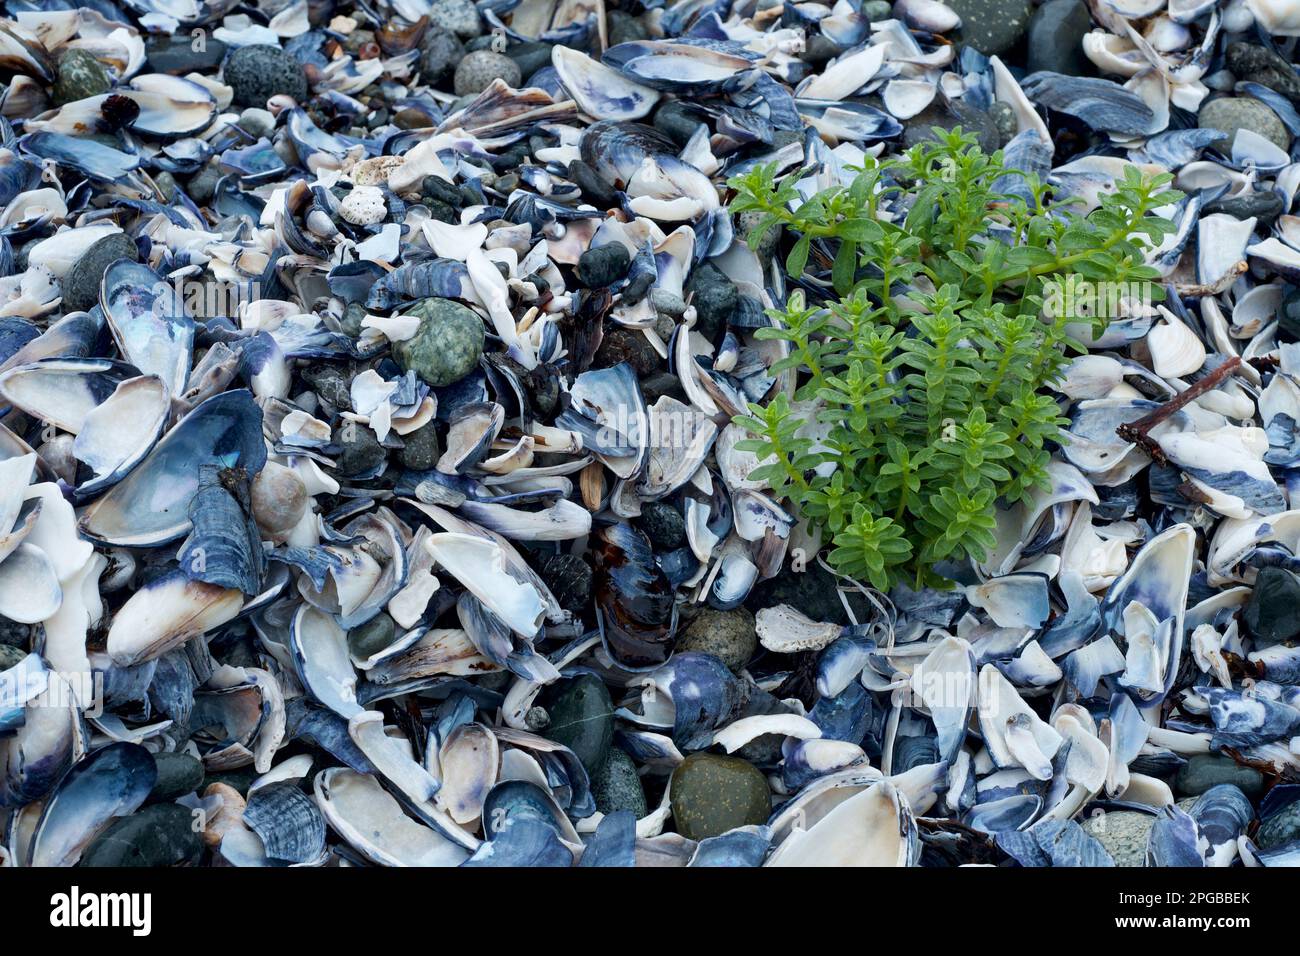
(477, 70)
(455, 16)
(447, 345)
(159, 835)
(616, 786)
(81, 283)
(359, 450)
(1203, 771)
(582, 718)
(439, 54)
(603, 265)
(663, 525)
(178, 774)
(992, 26)
(80, 76)
(421, 449)
(619, 344)
(1231, 113)
(727, 635)
(569, 578)
(1123, 834)
(257, 73)
(712, 794)
(366, 640)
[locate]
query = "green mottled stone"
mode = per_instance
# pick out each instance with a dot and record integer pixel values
(582, 718)
(1123, 833)
(1281, 828)
(616, 786)
(178, 774)
(159, 835)
(10, 656)
(447, 345)
(727, 635)
(1203, 771)
(713, 794)
(80, 76)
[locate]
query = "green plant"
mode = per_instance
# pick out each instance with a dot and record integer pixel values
(926, 365)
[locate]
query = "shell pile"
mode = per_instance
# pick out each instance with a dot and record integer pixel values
(369, 490)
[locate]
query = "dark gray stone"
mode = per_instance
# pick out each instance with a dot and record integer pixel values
(582, 718)
(257, 73)
(663, 525)
(159, 835)
(178, 774)
(992, 26)
(1272, 614)
(1056, 32)
(81, 283)
(616, 786)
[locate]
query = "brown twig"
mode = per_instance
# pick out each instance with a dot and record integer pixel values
(1138, 432)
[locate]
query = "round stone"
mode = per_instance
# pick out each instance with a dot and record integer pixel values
(159, 835)
(992, 26)
(712, 794)
(663, 525)
(81, 283)
(603, 265)
(446, 346)
(203, 184)
(178, 774)
(582, 719)
(1123, 834)
(1231, 113)
(616, 786)
(80, 76)
(477, 70)
(1203, 771)
(368, 639)
(569, 578)
(439, 54)
(727, 635)
(257, 73)
(1056, 33)
(876, 10)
